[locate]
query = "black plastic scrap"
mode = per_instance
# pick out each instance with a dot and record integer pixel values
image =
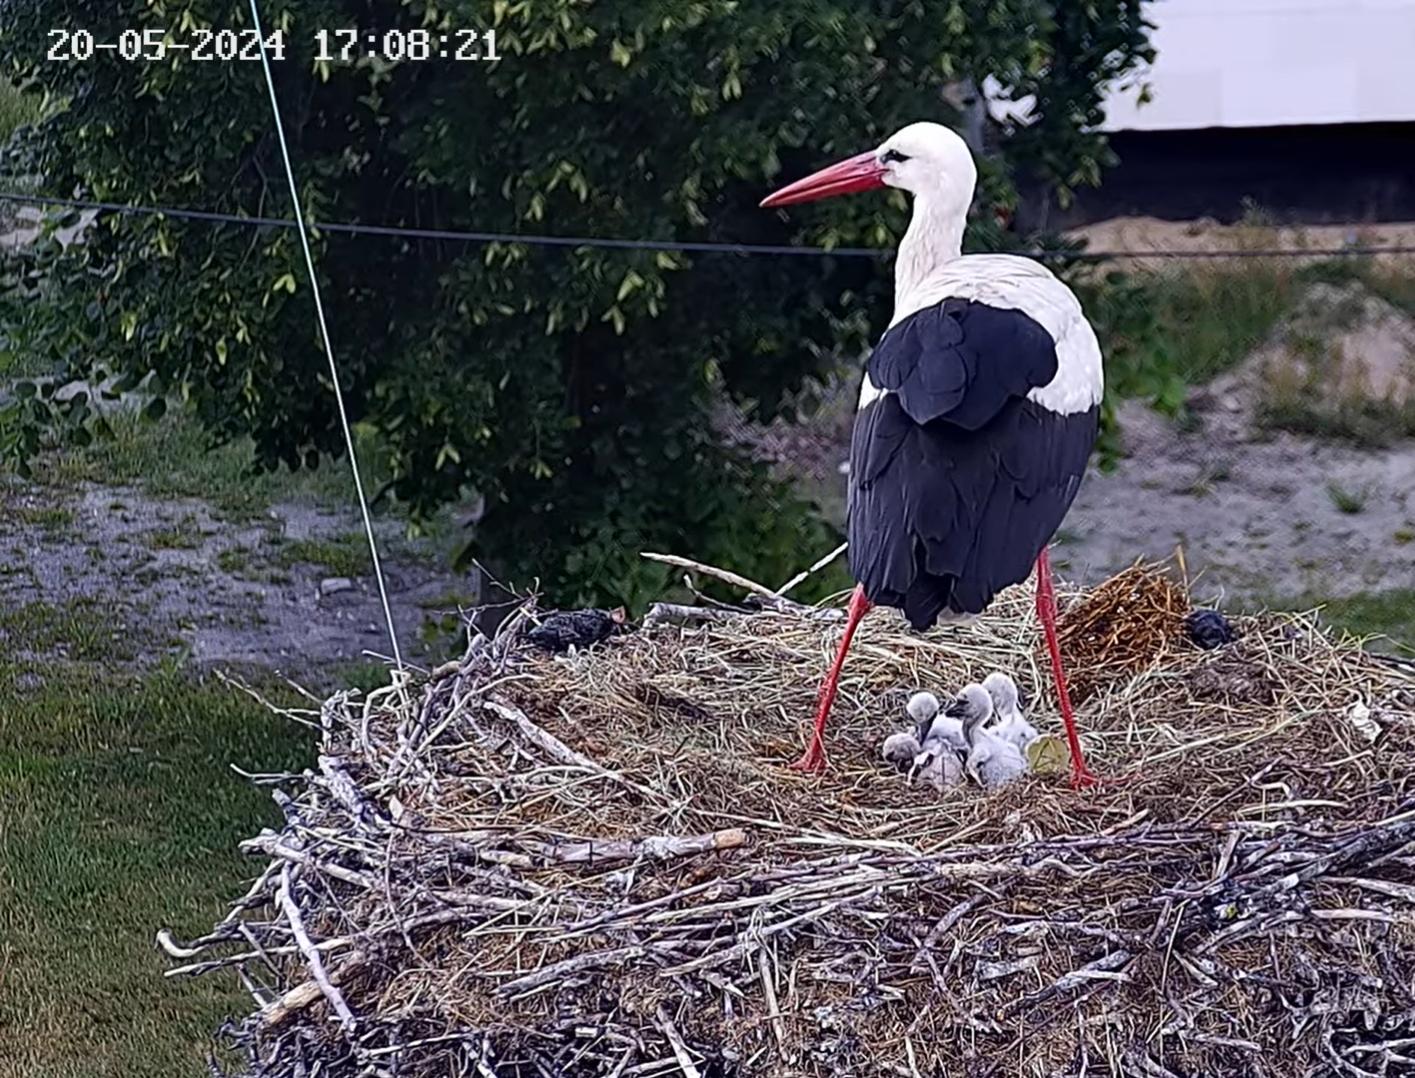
(566, 629)
(1208, 629)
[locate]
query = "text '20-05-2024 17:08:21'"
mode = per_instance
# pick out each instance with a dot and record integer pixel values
(344, 45)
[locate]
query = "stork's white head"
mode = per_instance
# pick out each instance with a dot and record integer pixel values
(929, 160)
(926, 159)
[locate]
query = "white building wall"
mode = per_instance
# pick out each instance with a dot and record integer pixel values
(1256, 63)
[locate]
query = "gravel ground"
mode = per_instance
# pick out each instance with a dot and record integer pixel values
(1258, 519)
(171, 577)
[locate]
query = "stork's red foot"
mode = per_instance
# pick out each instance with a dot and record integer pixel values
(1083, 778)
(812, 761)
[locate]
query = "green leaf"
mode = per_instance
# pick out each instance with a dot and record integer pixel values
(628, 285)
(1048, 755)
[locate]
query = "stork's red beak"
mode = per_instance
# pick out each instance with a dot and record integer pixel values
(863, 172)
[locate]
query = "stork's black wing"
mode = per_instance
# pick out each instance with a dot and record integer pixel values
(957, 480)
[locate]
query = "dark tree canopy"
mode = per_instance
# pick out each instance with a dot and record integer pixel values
(568, 386)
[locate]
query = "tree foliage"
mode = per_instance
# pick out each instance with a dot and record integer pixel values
(571, 387)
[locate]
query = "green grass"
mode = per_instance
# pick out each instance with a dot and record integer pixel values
(1309, 409)
(453, 599)
(1347, 501)
(346, 556)
(1164, 331)
(172, 539)
(1214, 318)
(15, 109)
(173, 458)
(82, 629)
(120, 817)
(235, 560)
(52, 518)
(1389, 613)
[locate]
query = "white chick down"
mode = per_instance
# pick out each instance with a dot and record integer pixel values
(933, 725)
(940, 768)
(922, 706)
(992, 762)
(899, 750)
(1012, 725)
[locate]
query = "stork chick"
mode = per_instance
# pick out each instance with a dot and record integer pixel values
(931, 726)
(901, 749)
(1012, 725)
(992, 762)
(922, 706)
(939, 766)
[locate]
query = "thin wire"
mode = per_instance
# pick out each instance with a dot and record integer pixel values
(668, 245)
(455, 236)
(324, 334)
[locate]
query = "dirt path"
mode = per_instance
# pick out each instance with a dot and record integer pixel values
(1260, 519)
(110, 570)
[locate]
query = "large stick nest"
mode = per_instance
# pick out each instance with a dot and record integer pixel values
(600, 864)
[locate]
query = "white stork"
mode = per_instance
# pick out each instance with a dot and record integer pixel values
(977, 415)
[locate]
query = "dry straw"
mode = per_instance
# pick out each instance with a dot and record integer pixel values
(600, 865)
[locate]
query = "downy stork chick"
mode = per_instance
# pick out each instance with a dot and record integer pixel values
(932, 726)
(939, 766)
(900, 750)
(922, 707)
(992, 762)
(1012, 725)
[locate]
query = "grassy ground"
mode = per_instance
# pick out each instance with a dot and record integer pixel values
(1391, 614)
(1166, 331)
(121, 815)
(15, 109)
(173, 458)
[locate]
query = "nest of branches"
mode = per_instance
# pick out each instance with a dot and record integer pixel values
(600, 864)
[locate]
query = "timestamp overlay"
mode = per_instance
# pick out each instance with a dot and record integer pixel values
(339, 45)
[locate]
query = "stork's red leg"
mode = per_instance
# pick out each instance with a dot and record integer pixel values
(813, 759)
(1081, 775)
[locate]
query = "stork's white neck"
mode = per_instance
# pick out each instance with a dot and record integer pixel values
(934, 239)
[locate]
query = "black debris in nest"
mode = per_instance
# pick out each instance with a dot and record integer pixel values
(1208, 629)
(566, 629)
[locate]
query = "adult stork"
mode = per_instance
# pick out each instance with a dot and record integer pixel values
(977, 415)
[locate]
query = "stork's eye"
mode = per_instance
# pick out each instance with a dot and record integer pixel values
(893, 155)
